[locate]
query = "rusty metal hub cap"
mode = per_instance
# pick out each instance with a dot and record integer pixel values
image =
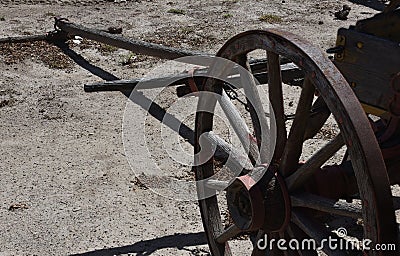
(259, 205)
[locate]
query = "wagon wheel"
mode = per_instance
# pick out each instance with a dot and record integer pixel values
(282, 202)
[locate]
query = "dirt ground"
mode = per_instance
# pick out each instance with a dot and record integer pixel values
(66, 187)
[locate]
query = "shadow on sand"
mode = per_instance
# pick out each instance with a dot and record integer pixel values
(374, 4)
(147, 247)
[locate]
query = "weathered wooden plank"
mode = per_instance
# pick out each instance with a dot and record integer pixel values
(368, 63)
(129, 85)
(384, 25)
(136, 46)
(142, 47)
(260, 65)
(24, 39)
(289, 74)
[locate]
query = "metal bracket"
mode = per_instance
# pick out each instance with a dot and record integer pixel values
(340, 43)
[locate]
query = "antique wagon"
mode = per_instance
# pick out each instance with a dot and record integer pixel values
(273, 193)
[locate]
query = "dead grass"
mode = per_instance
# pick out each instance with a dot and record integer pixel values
(176, 11)
(270, 18)
(105, 48)
(7, 102)
(227, 15)
(50, 14)
(49, 54)
(229, 2)
(177, 36)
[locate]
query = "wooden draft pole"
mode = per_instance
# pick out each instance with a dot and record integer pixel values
(137, 46)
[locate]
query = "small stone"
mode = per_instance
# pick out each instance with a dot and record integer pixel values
(114, 30)
(14, 207)
(344, 13)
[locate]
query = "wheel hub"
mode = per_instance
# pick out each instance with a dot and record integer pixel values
(259, 205)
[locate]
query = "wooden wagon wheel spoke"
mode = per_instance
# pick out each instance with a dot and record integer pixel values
(294, 144)
(235, 160)
(240, 127)
(318, 116)
(316, 231)
(228, 233)
(323, 204)
(302, 174)
(256, 109)
(276, 102)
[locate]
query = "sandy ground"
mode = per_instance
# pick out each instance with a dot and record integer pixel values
(62, 154)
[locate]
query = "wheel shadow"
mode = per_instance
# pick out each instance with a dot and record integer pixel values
(374, 4)
(148, 247)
